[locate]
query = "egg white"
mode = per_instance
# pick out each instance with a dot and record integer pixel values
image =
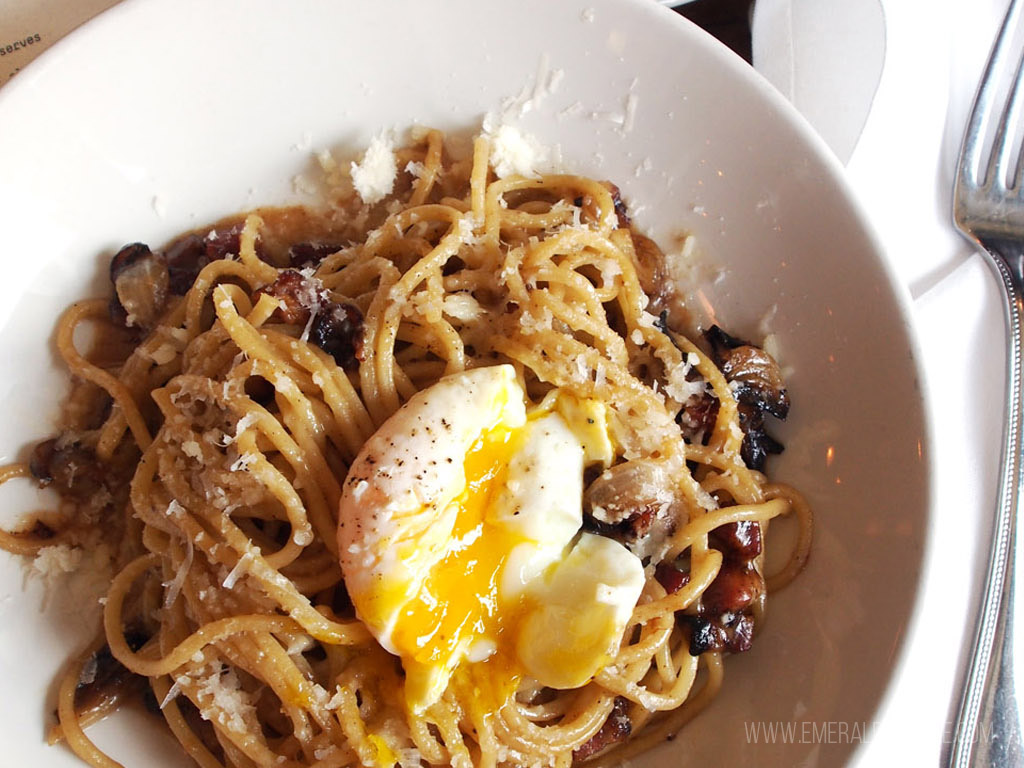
(461, 478)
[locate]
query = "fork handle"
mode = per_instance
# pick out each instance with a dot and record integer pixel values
(988, 727)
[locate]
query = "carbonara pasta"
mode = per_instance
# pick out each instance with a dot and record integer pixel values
(301, 579)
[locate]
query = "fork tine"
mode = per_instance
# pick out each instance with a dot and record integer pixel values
(1017, 180)
(985, 105)
(1003, 143)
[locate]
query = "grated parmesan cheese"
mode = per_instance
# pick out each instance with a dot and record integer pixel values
(574, 109)
(610, 269)
(531, 323)
(174, 690)
(415, 169)
(244, 423)
(192, 449)
(309, 324)
(533, 93)
(336, 700)
(163, 354)
(374, 176)
(88, 673)
(462, 306)
(678, 387)
(467, 226)
(223, 693)
(56, 560)
(299, 645)
(647, 320)
(629, 114)
(242, 462)
(514, 152)
(241, 567)
(174, 585)
(322, 753)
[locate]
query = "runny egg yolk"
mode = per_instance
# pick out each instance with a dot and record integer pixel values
(458, 610)
(459, 539)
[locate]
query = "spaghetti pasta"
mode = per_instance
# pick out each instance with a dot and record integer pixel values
(244, 370)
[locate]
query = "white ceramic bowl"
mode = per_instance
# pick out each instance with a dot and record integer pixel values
(163, 115)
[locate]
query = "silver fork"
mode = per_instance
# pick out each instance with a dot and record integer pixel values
(988, 207)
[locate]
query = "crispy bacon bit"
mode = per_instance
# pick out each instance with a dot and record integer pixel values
(705, 634)
(733, 633)
(616, 728)
(697, 417)
(671, 577)
(738, 541)
(73, 469)
(226, 241)
(185, 259)
(40, 461)
(187, 255)
(338, 331)
(724, 620)
(734, 589)
(741, 633)
(337, 328)
(738, 584)
(757, 377)
(298, 294)
(759, 389)
(141, 283)
(758, 445)
(305, 255)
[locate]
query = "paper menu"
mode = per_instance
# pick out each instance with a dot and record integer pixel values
(29, 27)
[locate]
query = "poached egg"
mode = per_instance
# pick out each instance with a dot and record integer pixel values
(460, 543)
